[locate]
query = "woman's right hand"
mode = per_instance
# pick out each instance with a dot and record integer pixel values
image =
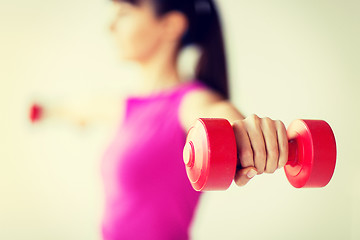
(262, 146)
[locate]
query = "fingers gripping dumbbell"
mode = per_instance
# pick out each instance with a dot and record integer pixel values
(210, 154)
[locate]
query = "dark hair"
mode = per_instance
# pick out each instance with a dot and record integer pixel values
(204, 30)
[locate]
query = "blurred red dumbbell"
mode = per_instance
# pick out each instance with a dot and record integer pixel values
(35, 113)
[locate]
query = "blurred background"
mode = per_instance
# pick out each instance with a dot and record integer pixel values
(288, 60)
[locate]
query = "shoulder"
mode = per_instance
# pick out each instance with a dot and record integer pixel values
(199, 97)
(194, 103)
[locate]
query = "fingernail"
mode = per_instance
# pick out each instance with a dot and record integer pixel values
(251, 173)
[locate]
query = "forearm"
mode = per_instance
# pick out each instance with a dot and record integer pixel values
(81, 110)
(59, 110)
(223, 109)
(73, 112)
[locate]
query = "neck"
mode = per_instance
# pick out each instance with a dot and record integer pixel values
(159, 73)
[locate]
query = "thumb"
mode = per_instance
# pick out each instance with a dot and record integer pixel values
(243, 176)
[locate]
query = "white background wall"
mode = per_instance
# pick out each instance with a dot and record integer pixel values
(288, 60)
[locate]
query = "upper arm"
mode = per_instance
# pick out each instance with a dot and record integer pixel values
(205, 103)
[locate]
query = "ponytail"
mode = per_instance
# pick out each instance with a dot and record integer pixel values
(205, 31)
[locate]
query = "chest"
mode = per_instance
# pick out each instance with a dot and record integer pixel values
(147, 149)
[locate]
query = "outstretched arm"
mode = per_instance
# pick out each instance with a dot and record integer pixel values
(81, 110)
(262, 144)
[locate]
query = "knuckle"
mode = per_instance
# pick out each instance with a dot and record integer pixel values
(268, 125)
(279, 124)
(253, 118)
(267, 120)
(238, 124)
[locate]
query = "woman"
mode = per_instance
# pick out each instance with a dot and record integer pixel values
(147, 193)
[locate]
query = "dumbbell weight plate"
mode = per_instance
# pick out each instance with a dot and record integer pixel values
(315, 153)
(210, 154)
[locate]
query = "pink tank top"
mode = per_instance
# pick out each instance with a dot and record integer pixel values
(147, 192)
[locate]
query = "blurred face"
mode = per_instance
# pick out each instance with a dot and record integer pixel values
(137, 31)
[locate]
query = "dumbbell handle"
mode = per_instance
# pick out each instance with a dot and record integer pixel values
(189, 153)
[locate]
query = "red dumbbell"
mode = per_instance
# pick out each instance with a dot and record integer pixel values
(35, 113)
(210, 154)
